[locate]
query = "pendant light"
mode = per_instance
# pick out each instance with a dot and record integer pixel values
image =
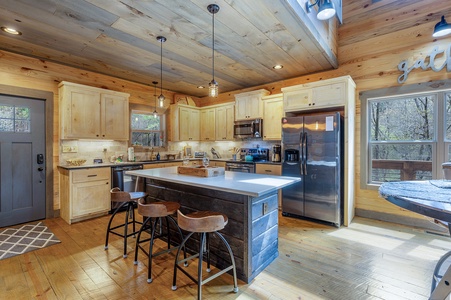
(161, 39)
(213, 85)
(155, 113)
(442, 28)
(326, 9)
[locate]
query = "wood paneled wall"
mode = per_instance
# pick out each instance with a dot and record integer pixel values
(374, 38)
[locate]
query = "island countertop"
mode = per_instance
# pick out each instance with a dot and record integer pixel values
(249, 184)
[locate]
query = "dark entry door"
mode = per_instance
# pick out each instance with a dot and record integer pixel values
(22, 165)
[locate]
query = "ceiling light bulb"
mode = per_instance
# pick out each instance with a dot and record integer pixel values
(213, 88)
(277, 67)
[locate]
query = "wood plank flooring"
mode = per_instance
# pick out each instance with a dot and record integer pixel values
(367, 260)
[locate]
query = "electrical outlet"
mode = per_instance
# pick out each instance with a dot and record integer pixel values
(265, 208)
(66, 149)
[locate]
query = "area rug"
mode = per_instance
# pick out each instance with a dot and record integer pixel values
(25, 238)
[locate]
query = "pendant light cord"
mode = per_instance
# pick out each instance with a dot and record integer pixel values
(213, 48)
(161, 67)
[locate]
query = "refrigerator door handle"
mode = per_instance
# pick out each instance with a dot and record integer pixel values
(305, 153)
(301, 156)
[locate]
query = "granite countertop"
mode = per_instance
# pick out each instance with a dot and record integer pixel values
(249, 184)
(108, 164)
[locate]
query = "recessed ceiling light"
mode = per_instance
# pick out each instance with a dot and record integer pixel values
(277, 67)
(11, 30)
(200, 87)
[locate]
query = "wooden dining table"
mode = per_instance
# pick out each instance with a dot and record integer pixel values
(430, 198)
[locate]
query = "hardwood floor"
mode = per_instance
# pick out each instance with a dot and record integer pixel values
(367, 260)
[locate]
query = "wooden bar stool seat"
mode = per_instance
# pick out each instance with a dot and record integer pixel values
(128, 201)
(204, 223)
(153, 214)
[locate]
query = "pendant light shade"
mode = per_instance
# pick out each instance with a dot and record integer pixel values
(213, 85)
(161, 39)
(155, 113)
(442, 28)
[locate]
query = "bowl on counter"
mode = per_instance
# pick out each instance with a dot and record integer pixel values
(75, 161)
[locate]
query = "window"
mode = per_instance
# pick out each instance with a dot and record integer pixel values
(14, 119)
(405, 136)
(147, 130)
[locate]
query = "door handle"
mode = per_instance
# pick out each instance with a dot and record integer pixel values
(40, 169)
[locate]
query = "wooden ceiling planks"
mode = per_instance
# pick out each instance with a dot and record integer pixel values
(118, 38)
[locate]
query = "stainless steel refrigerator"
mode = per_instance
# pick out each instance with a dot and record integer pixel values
(312, 148)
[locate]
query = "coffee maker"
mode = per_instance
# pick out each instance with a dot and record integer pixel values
(276, 153)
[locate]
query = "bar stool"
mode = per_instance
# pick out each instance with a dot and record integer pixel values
(203, 222)
(157, 211)
(128, 201)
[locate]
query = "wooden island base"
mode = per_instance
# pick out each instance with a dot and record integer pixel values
(251, 231)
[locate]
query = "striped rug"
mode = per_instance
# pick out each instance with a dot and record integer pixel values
(24, 238)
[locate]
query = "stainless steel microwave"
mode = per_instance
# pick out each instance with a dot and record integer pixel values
(248, 129)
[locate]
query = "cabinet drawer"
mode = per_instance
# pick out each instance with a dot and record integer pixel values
(268, 169)
(91, 174)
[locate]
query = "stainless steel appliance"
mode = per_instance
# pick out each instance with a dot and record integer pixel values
(312, 148)
(276, 153)
(247, 158)
(248, 129)
(244, 167)
(126, 183)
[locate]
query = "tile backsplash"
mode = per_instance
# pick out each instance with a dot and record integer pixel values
(105, 150)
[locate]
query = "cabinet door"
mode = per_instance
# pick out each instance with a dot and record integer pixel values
(194, 125)
(297, 100)
(207, 124)
(272, 115)
(254, 107)
(153, 166)
(241, 108)
(184, 116)
(329, 95)
(90, 198)
(80, 113)
(115, 117)
(224, 123)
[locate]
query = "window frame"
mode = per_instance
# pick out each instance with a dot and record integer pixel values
(163, 128)
(437, 88)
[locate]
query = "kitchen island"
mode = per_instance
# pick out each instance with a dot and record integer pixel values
(249, 201)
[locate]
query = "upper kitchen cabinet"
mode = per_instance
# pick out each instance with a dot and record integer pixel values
(320, 94)
(184, 123)
(249, 105)
(93, 113)
(272, 115)
(225, 120)
(207, 122)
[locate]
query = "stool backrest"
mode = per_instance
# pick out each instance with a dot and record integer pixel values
(119, 196)
(207, 223)
(153, 210)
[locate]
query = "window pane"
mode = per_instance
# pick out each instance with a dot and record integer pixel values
(149, 139)
(6, 112)
(448, 117)
(394, 162)
(6, 125)
(22, 126)
(405, 119)
(145, 122)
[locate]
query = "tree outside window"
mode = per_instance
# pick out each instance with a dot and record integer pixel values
(147, 129)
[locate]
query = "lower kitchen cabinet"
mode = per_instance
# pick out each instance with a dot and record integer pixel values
(214, 163)
(162, 165)
(84, 193)
(269, 169)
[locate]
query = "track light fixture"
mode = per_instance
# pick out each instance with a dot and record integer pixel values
(326, 9)
(442, 28)
(161, 39)
(213, 85)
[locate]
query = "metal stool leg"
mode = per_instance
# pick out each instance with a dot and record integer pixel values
(109, 229)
